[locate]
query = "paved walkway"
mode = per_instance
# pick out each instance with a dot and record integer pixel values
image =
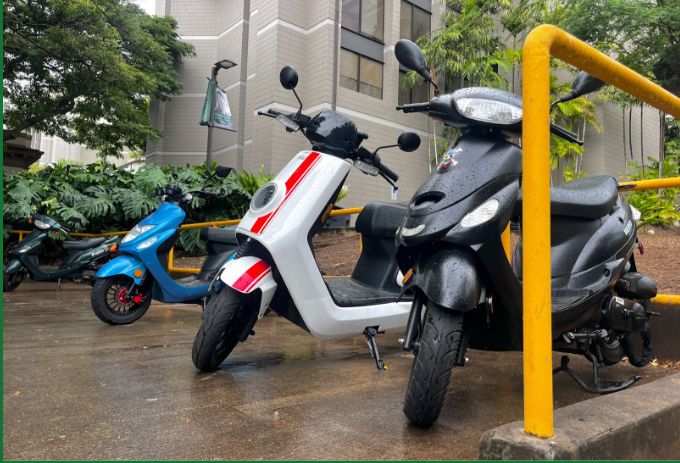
(75, 388)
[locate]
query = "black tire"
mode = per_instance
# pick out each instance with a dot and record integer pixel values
(218, 334)
(11, 281)
(106, 303)
(440, 345)
(612, 351)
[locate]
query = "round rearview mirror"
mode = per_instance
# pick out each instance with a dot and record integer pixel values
(175, 175)
(222, 171)
(409, 55)
(408, 141)
(585, 83)
(288, 78)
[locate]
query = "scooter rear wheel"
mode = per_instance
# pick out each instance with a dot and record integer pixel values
(11, 281)
(440, 345)
(110, 304)
(218, 334)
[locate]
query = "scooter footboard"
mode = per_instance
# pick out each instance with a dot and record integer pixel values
(449, 278)
(124, 265)
(247, 274)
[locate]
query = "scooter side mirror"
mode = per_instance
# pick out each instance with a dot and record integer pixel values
(288, 78)
(585, 83)
(222, 171)
(175, 175)
(408, 141)
(411, 57)
(75, 220)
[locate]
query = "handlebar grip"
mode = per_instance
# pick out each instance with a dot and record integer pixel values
(362, 136)
(414, 108)
(565, 134)
(209, 194)
(64, 229)
(392, 175)
(273, 112)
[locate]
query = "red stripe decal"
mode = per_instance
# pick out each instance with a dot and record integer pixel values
(254, 274)
(291, 184)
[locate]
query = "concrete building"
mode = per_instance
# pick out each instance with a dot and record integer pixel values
(343, 51)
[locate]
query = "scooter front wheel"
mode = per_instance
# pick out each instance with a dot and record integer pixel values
(11, 281)
(440, 345)
(112, 303)
(219, 332)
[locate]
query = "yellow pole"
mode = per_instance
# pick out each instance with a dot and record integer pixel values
(538, 406)
(505, 238)
(539, 45)
(667, 299)
(650, 184)
(171, 259)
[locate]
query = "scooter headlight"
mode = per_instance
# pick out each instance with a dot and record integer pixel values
(41, 225)
(147, 243)
(482, 214)
(496, 112)
(136, 231)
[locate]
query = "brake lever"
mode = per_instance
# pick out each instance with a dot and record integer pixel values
(389, 180)
(260, 113)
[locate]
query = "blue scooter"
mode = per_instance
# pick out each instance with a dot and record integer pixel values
(126, 285)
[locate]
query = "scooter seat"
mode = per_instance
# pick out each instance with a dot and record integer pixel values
(381, 220)
(586, 198)
(220, 235)
(80, 245)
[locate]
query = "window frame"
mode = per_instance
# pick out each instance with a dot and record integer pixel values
(413, 5)
(382, 74)
(359, 31)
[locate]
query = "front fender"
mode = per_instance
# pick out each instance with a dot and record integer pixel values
(14, 266)
(449, 277)
(124, 265)
(247, 274)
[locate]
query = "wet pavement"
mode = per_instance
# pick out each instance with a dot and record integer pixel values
(75, 388)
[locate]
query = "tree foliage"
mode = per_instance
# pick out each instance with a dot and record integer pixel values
(85, 70)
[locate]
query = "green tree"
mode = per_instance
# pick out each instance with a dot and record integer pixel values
(643, 34)
(85, 70)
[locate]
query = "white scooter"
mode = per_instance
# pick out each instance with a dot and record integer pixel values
(275, 266)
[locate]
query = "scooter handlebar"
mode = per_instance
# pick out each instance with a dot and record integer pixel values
(388, 172)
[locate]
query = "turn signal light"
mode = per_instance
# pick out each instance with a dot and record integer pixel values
(56, 233)
(113, 248)
(407, 276)
(138, 273)
(30, 220)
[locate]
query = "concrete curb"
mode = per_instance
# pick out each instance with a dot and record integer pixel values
(642, 423)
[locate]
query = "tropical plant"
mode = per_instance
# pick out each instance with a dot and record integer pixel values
(106, 198)
(657, 207)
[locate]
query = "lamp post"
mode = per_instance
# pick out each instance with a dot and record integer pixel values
(224, 64)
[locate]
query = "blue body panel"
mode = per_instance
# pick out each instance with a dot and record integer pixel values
(167, 218)
(123, 265)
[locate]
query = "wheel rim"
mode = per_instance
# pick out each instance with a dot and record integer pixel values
(117, 299)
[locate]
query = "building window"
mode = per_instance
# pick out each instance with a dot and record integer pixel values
(414, 22)
(419, 93)
(360, 74)
(365, 17)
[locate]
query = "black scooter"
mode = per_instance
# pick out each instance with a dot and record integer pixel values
(451, 253)
(83, 257)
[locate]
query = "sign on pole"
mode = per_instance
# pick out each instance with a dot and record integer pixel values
(223, 119)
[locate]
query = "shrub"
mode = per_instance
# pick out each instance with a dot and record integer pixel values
(654, 209)
(106, 198)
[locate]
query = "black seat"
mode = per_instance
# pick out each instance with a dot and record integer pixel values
(587, 198)
(80, 245)
(220, 235)
(380, 220)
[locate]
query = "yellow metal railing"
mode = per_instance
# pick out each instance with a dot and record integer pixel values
(542, 42)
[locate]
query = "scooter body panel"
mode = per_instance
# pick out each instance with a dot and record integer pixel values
(305, 188)
(13, 266)
(123, 265)
(248, 274)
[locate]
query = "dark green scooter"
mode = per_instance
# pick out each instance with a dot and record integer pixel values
(83, 257)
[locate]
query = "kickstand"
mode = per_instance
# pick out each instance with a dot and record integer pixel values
(600, 386)
(373, 347)
(58, 284)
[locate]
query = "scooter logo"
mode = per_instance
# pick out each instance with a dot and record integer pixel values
(448, 158)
